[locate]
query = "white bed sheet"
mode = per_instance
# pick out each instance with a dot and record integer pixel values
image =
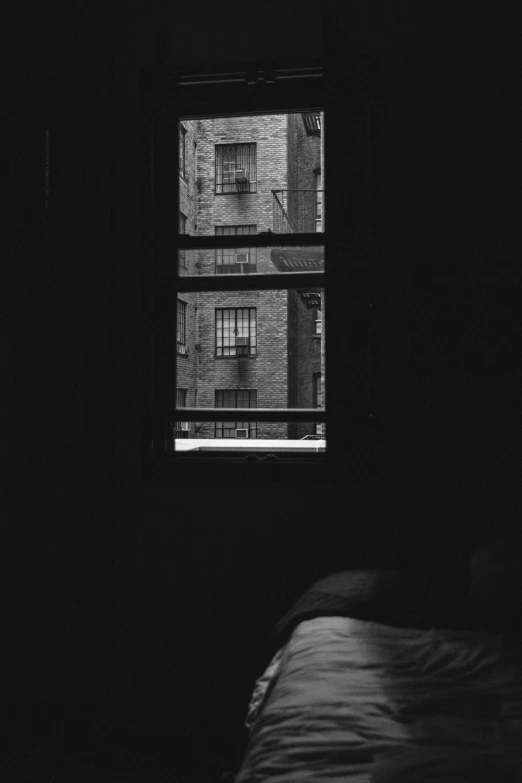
(347, 691)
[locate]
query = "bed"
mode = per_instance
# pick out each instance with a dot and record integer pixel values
(370, 683)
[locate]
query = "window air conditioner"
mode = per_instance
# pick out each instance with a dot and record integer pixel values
(241, 258)
(241, 433)
(241, 341)
(184, 426)
(241, 175)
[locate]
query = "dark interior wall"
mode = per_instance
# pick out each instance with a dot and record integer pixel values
(167, 590)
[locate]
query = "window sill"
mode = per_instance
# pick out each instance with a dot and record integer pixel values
(237, 193)
(238, 356)
(185, 355)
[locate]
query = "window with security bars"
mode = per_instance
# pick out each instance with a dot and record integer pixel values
(182, 230)
(236, 169)
(181, 327)
(181, 428)
(236, 398)
(236, 260)
(236, 332)
(182, 151)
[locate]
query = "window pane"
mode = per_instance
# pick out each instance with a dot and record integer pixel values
(252, 436)
(251, 260)
(260, 170)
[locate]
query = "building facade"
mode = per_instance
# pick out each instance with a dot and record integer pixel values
(243, 176)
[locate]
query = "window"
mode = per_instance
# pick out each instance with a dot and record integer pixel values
(181, 327)
(318, 200)
(317, 398)
(236, 168)
(317, 323)
(182, 151)
(232, 398)
(182, 230)
(236, 332)
(237, 260)
(181, 428)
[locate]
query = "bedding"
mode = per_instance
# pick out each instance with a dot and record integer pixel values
(351, 699)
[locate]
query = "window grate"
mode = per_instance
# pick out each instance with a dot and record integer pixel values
(236, 169)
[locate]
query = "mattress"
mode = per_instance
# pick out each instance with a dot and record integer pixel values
(343, 695)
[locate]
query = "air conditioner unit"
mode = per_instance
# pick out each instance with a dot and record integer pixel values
(241, 175)
(242, 258)
(241, 341)
(184, 426)
(241, 433)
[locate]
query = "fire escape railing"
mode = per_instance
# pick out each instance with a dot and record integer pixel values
(297, 211)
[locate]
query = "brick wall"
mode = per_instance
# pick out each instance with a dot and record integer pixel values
(186, 364)
(270, 135)
(267, 373)
(304, 359)
(304, 156)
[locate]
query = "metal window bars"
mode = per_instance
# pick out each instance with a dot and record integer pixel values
(297, 211)
(236, 170)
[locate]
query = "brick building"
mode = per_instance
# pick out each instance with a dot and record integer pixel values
(246, 175)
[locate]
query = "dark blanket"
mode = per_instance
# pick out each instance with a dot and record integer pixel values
(392, 597)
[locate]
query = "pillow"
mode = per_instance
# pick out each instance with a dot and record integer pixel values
(389, 596)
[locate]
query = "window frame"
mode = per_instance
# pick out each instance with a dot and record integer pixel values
(236, 93)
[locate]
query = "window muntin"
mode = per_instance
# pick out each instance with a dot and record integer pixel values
(236, 331)
(235, 398)
(227, 258)
(181, 428)
(182, 151)
(236, 169)
(181, 327)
